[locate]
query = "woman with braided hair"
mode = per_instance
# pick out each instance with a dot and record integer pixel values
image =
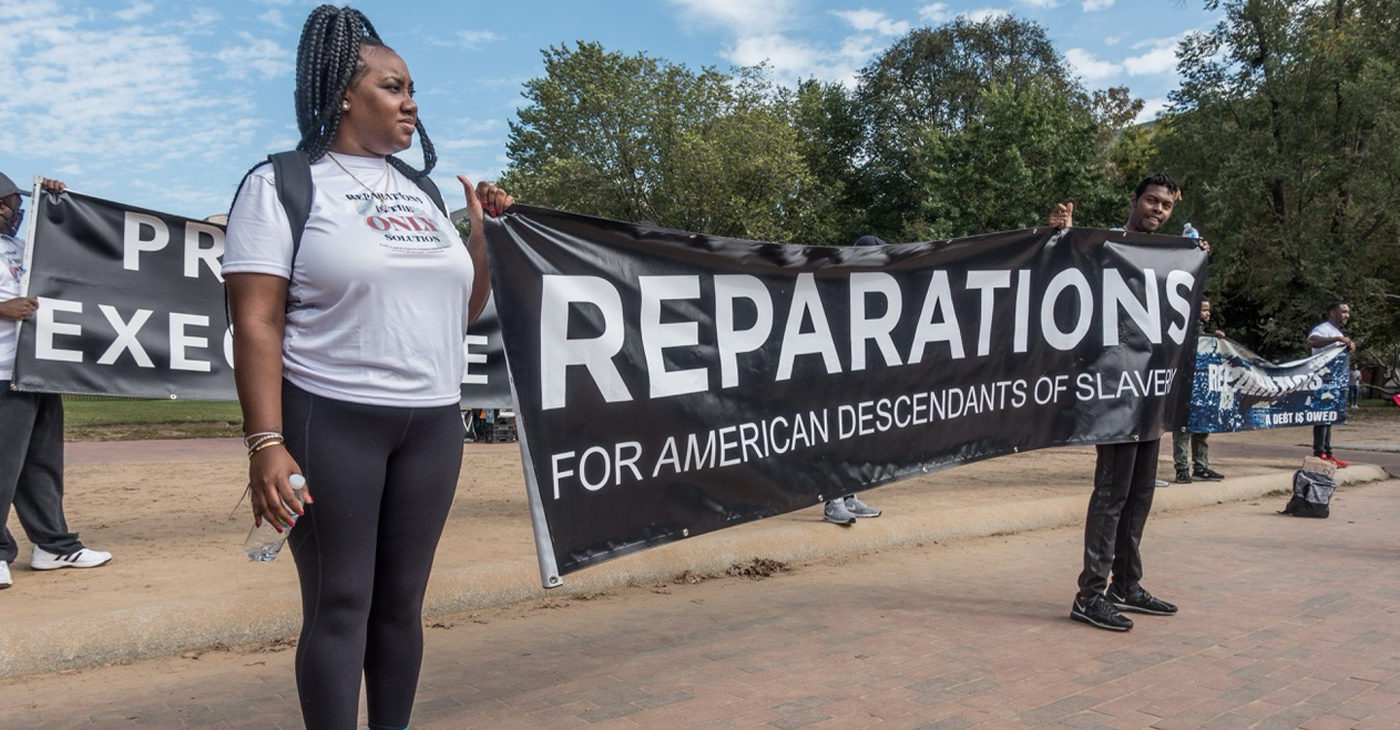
(348, 361)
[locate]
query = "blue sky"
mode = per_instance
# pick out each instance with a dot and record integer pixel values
(164, 104)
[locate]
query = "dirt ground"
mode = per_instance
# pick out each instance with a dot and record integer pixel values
(173, 521)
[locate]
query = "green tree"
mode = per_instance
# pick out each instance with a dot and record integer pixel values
(1001, 169)
(1284, 137)
(828, 126)
(639, 138)
(959, 136)
(934, 77)
(1131, 156)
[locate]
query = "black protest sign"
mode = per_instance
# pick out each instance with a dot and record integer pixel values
(671, 384)
(132, 304)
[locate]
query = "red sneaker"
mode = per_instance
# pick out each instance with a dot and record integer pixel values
(1337, 462)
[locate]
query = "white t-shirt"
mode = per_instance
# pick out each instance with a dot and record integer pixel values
(11, 270)
(1326, 329)
(377, 306)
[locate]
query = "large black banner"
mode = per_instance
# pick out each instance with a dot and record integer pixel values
(671, 384)
(132, 304)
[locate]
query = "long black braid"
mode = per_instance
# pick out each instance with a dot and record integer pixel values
(328, 63)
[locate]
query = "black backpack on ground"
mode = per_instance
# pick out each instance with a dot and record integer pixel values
(1312, 491)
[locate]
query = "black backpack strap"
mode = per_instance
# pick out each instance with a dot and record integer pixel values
(292, 174)
(431, 188)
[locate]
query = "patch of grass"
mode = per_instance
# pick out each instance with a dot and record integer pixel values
(129, 419)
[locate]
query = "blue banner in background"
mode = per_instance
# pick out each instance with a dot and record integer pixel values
(1233, 389)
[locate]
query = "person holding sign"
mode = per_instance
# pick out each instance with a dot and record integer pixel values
(1326, 334)
(31, 424)
(348, 360)
(846, 509)
(1125, 475)
(1191, 451)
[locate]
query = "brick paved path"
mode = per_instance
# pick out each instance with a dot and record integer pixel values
(1285, 623)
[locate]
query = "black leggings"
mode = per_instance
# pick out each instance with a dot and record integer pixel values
(382, 480)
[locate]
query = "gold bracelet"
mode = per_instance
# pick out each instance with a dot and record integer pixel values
(262, 445)
(250, 440)
(265, 438)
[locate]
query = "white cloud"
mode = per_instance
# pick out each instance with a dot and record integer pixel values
(759, 36)
(780, 52)
(203, 20)
(858, 48)
(1096, 5)
(474, 39)
(135, 11)
(259, 56)
(273, 18)
(133, 91)
(867, 20)
(1151, 109)
(936, 13)
(1089, 67)
(1047, 4)
(1160, 60)
(985, 14)
(738, 15)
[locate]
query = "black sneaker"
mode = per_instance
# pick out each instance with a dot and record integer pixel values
(1207, 474)
(1183, 476)
(1097, 611)
(1139, 600)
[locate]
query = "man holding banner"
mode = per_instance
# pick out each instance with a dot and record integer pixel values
(31, 424)
(1125, 474)
(1323, 336)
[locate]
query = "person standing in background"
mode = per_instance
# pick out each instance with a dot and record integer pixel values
(31, 424)
(1326, 334)
(1193, 445)
(845, 510)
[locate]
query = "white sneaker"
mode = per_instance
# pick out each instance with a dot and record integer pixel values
(42, 559)
(5, 581)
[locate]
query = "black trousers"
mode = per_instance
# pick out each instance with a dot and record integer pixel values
(1125, 479)
(1322, 439)
(31, 472)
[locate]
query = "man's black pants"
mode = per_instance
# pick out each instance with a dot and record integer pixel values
(1125, 478)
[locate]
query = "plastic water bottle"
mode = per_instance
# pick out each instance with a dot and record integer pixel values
(264, 541)
(1189, 231)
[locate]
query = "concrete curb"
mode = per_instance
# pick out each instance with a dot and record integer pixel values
(39, 644)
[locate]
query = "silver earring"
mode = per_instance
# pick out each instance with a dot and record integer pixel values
(345, 106)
